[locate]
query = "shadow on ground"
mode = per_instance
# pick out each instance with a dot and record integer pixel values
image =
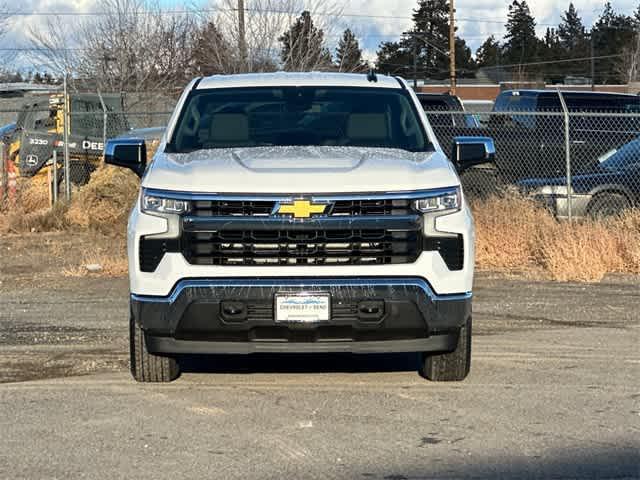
(610, 462)
(299, 363)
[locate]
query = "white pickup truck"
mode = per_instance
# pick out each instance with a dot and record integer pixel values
(300, 212)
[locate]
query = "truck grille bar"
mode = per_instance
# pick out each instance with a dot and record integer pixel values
(263, 208)
(309, 247)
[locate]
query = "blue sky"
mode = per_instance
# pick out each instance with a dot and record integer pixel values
(477, 18)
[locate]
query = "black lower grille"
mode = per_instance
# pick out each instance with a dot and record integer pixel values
(152, 250)
(364, 247)
(450, 248)
(313, 247)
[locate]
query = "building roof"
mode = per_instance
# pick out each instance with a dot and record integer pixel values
(25, 87)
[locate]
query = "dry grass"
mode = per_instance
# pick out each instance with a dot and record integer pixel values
(514, 235)
(104, 203)
(110, 265)
(30, 210)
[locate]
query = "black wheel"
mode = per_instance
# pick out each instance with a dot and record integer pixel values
(145, 366)
(608, 205)
(449, 367)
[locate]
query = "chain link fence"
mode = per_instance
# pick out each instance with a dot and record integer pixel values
(57, 141)
(577, 164)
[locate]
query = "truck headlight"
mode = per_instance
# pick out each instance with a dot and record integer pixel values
(154, 204)
(446, 201)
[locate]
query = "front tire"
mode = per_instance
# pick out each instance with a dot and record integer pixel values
(145, 366)
(606, 205)
(449, 367)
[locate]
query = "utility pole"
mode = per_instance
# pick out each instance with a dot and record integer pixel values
(242, 40)
(415, 64)
(593, 63)
(452, 47)
(65, 135)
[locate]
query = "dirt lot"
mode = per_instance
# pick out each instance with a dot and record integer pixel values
(59, 320)
(553, 391)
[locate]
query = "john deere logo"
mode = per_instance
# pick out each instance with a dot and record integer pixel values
(301, 209)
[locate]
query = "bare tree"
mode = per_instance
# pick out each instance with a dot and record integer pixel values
(212, 53)
(265, 23)
(132, 46)
(5, 19)
(629, 65)
(303, 47)
(349, 54)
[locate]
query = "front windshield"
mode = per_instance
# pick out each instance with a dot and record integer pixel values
(627, 157)
(286, 116)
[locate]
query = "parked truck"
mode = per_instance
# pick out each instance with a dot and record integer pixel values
(528, 128)
(300, 212)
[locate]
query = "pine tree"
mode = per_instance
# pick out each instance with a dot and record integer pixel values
(303, 46)
(465, 64)
(349, 54)
(211, 52)
(429, 37)
(612, 33)
(394, 59)
(551, 50)
(571, 33)
(488, 55)
(428, 42)
(521, 45)
(573, 43)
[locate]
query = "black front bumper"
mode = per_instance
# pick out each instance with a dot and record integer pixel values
(237, 316)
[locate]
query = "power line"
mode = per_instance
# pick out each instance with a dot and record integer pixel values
(547, 62)
(566, 60)
(248, 9)
(268, 11)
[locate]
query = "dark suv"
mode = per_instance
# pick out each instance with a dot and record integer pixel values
(528, 126)
(437, 104)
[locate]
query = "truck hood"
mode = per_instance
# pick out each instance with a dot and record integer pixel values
(299, 169)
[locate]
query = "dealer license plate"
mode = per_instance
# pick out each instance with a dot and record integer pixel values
(303, 307)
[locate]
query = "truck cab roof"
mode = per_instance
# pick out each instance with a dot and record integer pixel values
(577, 100)
(298, 79)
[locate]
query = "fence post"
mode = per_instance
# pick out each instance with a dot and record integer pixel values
(567, 147)
(104, 120)
(4, 177)
(67, 165)
(55, 176)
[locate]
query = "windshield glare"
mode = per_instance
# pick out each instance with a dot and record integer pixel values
(627, 157)
(286, 116)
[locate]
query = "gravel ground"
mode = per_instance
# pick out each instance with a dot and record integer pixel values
(553, 393)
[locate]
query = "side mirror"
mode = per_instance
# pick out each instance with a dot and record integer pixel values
(469, 151)
(128, 153)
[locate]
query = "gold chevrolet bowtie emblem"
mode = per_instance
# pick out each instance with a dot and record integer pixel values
(301, 208)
